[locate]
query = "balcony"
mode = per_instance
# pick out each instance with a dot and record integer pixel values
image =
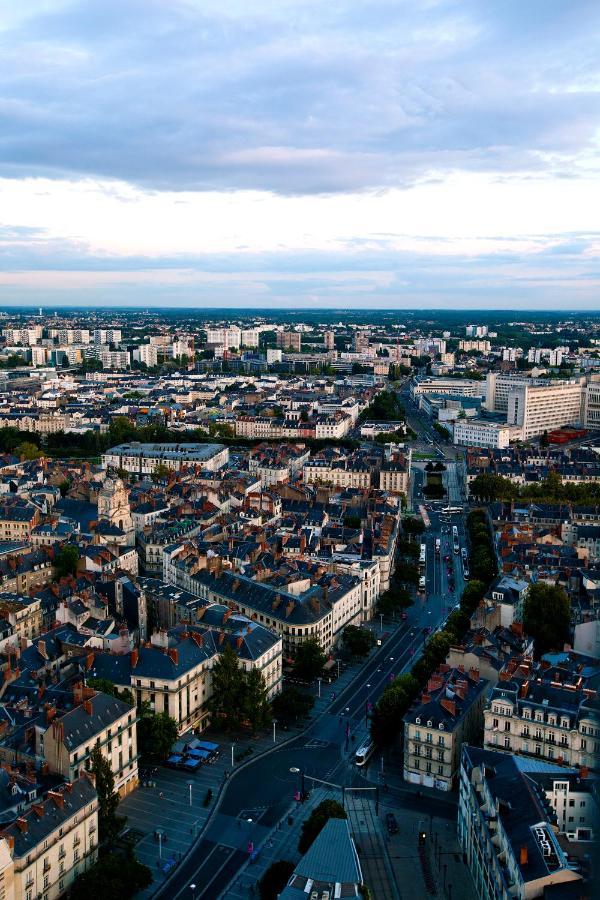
(77, 841)
(47, 866)
(62, 854)
(29, 882)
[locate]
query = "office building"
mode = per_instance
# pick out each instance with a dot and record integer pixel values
(480, 433)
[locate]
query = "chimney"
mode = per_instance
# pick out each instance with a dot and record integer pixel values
(87, 705)
(425, 697)
(23, 825)
(524, 688)
(50, 713)
(173, 655)
(523, 856)
(448, 705)
(58, 798)
(38, 809)
(89, 661)
(77, 692)
(134, 658)
(41, 645)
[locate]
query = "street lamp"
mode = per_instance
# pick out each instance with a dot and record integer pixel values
(159, 833)
(232, 759)
(319, 680)
(193, 890)
(190, 783)
(367, 705)
(274, 724)
(381, 622)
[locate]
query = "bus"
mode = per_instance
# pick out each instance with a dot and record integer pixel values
(465, 563)
(451, 510)
(438, 546)
(422, 556)
(364, 753)
(455, 542)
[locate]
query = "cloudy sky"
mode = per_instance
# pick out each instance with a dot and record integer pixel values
(290, 153)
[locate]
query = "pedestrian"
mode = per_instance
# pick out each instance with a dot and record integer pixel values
(160, 795)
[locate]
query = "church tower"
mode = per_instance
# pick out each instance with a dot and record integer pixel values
(113, 504)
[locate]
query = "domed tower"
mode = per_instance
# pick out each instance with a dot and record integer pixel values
(113, 504)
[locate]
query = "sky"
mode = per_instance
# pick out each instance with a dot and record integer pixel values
(300, 153)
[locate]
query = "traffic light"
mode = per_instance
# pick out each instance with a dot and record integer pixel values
(422, 838)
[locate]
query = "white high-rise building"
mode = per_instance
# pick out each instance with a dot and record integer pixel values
(108, 336)
(539, 408)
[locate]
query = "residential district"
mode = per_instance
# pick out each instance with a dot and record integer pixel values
(299, 608)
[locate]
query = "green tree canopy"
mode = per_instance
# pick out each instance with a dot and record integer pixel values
(358, 641)
(107, 687)
(256, 709)
(547, 617)
(309, 660)
(66, 560)
(291, 704)
(115, 876)
(275, 879)
(156, 733)
(108, 800)
(313, 826)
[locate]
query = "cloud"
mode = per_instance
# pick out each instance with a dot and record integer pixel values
(296, 97)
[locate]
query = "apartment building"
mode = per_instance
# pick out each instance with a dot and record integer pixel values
(173, 673)
(108, 336)
(550, 720)
(448, 714)
(70, 335)
(228, 338)
(23, 613)
(394, 476)
(539, 408)
(480, 433)
(475, 346)
(289, 340)
(17, 520)
(591, 403)
(505, 832)
(49, 845)
(148, 355)
(25, 336)
(114, 359)
(314, 606)
(144, 458)
(96, 721)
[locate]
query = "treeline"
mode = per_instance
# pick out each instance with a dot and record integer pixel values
(396, 699)
(487, 488)
(93, 443)
(384, 407)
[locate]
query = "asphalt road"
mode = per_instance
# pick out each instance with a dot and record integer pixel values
(258, 796)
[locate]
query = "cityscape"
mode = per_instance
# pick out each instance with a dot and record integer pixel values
(299, 450)
(299, 605)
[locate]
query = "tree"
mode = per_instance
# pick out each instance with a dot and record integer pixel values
(161, 470)
(309, 660)
(108, 800)
(386, 717)
(413, 526)
(255, 706)
(113, 877)
(228, 689)
(312, 827)
(28, 451)
(358, 641)
(407, 573)
(66, 561)
(275, 879)
(547, 617)
(291, 704)
(394, 600)
(64, 487)
(156, 733)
